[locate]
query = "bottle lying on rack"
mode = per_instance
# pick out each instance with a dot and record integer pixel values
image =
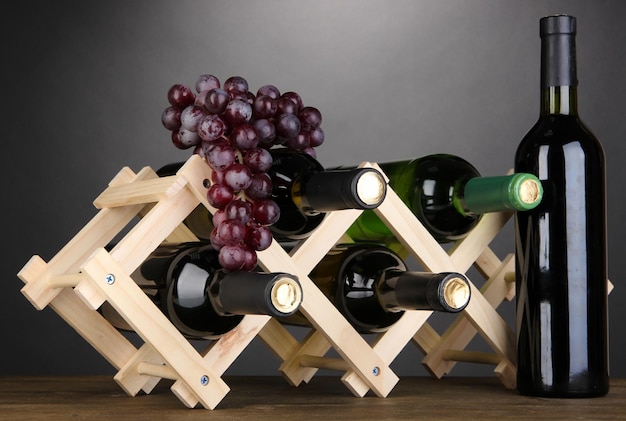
(201, 299)
(304, 192)
(372, 287)
(448, 196)
(561, 246)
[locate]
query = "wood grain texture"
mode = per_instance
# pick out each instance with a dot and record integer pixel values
(263, 398)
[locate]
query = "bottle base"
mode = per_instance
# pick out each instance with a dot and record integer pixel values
(564, 393)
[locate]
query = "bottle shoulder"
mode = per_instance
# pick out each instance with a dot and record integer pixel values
(556, 132)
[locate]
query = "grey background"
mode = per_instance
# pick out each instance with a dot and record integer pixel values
(84, 84)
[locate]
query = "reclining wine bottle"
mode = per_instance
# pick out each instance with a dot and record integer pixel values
(202, 300)
(448, 195)
(304, 192)
(372, 287)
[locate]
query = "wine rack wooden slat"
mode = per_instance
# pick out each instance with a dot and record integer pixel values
(83, 275)
(413, 325)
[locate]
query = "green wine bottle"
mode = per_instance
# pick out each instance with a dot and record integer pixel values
(448, 195)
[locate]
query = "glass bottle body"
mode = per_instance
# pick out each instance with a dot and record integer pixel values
(432, 187)
(371, 287)
(561, 245)
(176, 277)
(289, 168)
(203, 301)
(304, 192)
(561, 263)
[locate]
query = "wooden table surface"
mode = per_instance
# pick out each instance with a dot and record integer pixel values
(325, 397)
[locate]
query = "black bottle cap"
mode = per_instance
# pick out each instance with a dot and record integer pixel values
(558, 51)
(557, 24)
(359, 188)
(273, 294)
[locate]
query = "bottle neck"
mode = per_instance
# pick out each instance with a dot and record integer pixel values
(446, 292)
(330, 190)
(242, 293)
(515, 192)
(558, 66)
(559, 100)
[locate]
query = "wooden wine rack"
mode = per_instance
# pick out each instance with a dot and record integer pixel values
(83, 275)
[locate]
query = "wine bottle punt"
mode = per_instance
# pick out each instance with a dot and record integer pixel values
(561, 246)
(202, 300)
(448, 196)
(371, 287)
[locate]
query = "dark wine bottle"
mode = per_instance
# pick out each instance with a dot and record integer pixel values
(202, 300)
(448, 196)
(304, 192)
(561, 246)
(371, 286)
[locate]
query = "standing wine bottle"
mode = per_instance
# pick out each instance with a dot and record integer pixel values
(304, 192)
(448, 195)
(561, 271)
(371, 287)
(201, 299)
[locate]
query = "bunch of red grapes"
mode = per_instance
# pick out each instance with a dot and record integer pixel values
(233, 129)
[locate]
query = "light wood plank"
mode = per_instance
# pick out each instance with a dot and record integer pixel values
(154, 328)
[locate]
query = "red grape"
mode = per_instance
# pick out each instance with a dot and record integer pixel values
(171, 118)
(233, 129)
(185, 139)
(269, 90)
(216, 100)
(190, 117)
(200, 100)
(310, 151)
(236, 84)
(180, 96)
(294, 97)
(218, 217)
(300, 142)
(265, 211)
(211, 127)
(238, 112)
(231, 232)
(206, 82)
(310, 118)
(286, 106)
(250, 260)
(258, 160)
(316, 137)
(244, 137)
(264, 106)
(220, 156)
(287, 126)
(216, 241)
(217, 176)
(232, 257)
(239, 210)
(260, 186)
(265, 130)
(237, 176)
(258, 237)
(219, 195)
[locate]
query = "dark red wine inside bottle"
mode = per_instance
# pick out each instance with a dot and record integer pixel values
(304, 191)
(371, 287)
(561, 245)
(202, 300)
